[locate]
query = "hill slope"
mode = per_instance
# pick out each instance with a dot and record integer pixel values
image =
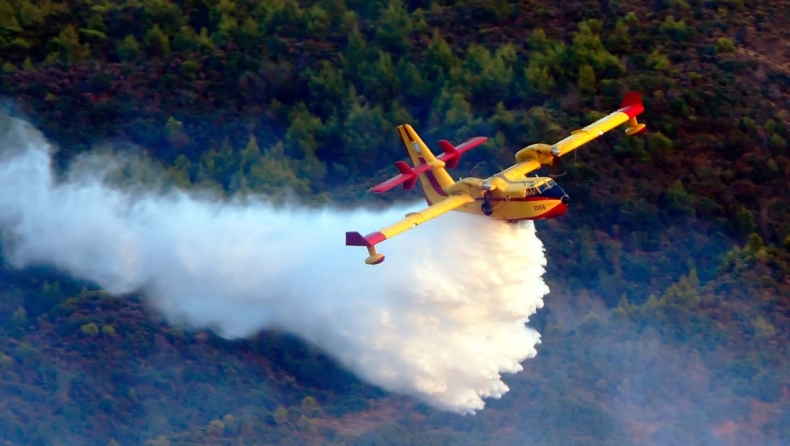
(262, 97)
(700, 364)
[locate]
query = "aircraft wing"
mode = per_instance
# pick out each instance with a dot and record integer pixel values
(535, 156)
(629, 109)
(412, 220)
(520, 170)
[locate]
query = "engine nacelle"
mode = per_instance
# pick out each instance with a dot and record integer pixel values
(469, 186)
(539, 152)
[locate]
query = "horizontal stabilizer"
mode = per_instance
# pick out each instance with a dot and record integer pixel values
(452, 154)
(407, 177)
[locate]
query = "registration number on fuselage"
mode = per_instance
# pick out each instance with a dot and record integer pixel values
(539, 207)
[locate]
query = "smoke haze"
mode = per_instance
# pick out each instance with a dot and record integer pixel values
(441, 319)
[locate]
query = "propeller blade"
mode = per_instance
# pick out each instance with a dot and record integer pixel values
(557, 168)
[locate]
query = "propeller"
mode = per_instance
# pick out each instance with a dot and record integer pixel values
(557, 166)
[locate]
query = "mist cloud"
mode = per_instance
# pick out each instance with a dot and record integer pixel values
(441, 319)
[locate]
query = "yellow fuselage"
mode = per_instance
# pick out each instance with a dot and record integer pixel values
(530, 199)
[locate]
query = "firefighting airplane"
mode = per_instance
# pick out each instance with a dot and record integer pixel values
(508, 195)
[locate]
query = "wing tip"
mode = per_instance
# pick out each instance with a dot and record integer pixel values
(354, 238)
(632, 98)
(632, 104)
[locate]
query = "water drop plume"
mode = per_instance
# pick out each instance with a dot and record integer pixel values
(441, 319)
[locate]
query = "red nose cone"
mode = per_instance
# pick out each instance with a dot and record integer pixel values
(555, 212)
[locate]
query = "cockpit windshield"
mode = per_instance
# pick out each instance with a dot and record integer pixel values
(539, 189)
(546, 186)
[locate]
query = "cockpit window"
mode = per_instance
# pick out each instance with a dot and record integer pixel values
(546, 186)
(530, 189)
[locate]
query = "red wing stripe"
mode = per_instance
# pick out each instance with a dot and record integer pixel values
(632, 104)
(633, 110)
(356, 239)
(534, 198)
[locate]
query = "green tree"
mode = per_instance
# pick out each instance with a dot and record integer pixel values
(394, 26)
(69, 46)
(658, 142)
(186, 39)
(539, 78)
(158, 441)
(217, 164)
(248, 35)
(281, 415)
(273, 173)
(108, 330)
(676, 30)
(8, 16)
(366, 134)
(174, 131)
(588, 49)
(367, 9)
(180, 173)
(725, 45)
(157, 43)
(356, 51)
(439, 60)
(754, 244)
(128, 49)
(658, 61)
(744, 221)
(19, 317)
(763, 328)
(318, 22)
(224, 17)
(410, 82)
(300, 138)
(163, 14)
(283, 17)
(679, 202)
(586, 80)
(216, 428)
(487, 76)
(620, 40)
(90, 329)
(306, 424)
(309, 406)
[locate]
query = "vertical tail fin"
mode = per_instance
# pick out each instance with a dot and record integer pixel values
(434, 181)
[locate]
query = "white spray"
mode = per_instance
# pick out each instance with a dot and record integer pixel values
(441, 319)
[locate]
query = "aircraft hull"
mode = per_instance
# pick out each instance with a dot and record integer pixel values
(515, 209)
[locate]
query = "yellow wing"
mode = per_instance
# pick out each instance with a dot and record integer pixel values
(535, 156)
(412, 220)
(516, 172)
(630, 108)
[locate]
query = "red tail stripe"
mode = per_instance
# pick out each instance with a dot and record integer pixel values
(408, 134)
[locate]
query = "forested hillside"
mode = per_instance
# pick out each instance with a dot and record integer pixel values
(281, 95)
